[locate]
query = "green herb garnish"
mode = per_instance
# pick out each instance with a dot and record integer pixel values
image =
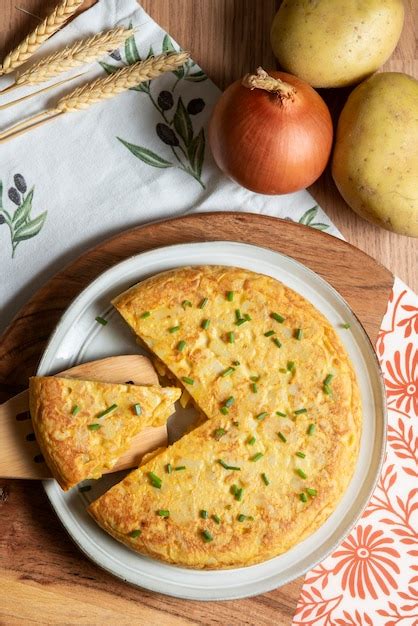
(261, 416)
(303, 497)
(179, 468)
(282, 437)
(240, 322)
(75, 410)
(301, 455)
(101, 320)
(168, 468)
(265, 479)
(181, 345)
(269, 333)
(216, 519)
(255, 379)
(218, 433)
(137, 409)
(251, 441)
(238, 494)
(224, 410)
(298, 334)
(206, 536)
(311, 492)
(236, 363)
(346, 325)
(328, 379)
(290, 366)
(174, 329)
(94, 426)
(242, 518)
(135, 533)
(254, 387)
(248, 317)
(205, 324)
(311, 429)
(145, 315)
(279, 318)
(327, 390)
(228, 372)
(204, 514)
(203, 303)
(277, 342)
(231, 337)
(257, 456)
(155, 480)
(301, 473)
(109, 409)
(238, 315)
(187, 380)
(280, 414)
(186, 303)
(300, 411)
(163, 512)
(229, 401)
(228, 467)
(229, 296)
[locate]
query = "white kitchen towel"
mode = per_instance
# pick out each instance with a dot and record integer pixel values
(139, 157)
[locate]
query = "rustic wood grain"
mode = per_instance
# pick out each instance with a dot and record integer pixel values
(44, 579)
(34, 548)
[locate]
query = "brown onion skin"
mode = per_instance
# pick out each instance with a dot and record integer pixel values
(271, 145)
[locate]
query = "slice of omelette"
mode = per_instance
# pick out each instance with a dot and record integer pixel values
(284, 427)
(83, 427)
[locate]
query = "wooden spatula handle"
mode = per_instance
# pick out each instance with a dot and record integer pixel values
(21, 457)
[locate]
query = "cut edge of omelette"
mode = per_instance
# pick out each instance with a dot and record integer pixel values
(83, 427)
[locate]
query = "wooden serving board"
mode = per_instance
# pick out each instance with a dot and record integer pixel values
(34, 545)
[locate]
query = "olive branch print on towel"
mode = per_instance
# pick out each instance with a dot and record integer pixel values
(20, 222)
(175, 129)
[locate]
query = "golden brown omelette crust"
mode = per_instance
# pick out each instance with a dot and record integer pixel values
(76, 441)
(268, 432)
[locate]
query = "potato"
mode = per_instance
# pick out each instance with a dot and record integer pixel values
(332, 43)
(375, 161)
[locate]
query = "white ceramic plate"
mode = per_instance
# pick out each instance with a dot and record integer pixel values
(79, 338)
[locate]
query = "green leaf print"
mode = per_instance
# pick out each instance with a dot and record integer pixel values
(308, 219)
(131, 51)
(20, 223)
(147, 156)
(183, 123)
(197, 152)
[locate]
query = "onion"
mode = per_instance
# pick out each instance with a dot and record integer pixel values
(271, 133)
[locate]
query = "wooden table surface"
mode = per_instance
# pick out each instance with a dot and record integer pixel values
(228, 38)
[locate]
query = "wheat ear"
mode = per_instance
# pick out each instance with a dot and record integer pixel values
(123, 79)
(79, 53)
(31, 43)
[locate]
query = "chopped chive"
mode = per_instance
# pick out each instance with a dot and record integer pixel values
(205, 324)
(301, 473)
(186, 303)
(234, 489)
(240, 322)
(269, 333)
(187, 380)
(238, 315)
(84, 488)
(203, 303)
(301, 455)
(251, 441)
(228, 467)
(163, 512)
(216, 519)
(229, 296)
(254, 387)
(155, 480)
(242, 518)
(298, 334)
(224, 410)
(75, 410)
(255, 379)
(279, 318)
(300, 411)
(265, 479)
(346, 325)
(181, 345)
(236, 363)
(94, 426)
(218, 433)
(238, 494)
(282, 370)
(257, 456)
(231, 337)
(236, 424)
(248, 317)
(109, 409)
(261, 416)
(168, 468)
(229, 401)
(282, 437)
(280, 414)
(137, 409)
(228, 372)
(145, 315)
(311, 429)
(328, 379)
(311, 492)
(277, 342)
(135, 533)
(101, 320)
(204, 514)
(206, 536)
(179, 468)
(327, 390)
(174, 329)
(303, 497)
(290, 366)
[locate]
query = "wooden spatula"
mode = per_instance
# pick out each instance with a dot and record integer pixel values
(20, 455)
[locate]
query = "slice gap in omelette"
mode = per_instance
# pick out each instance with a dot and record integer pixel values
(84, 427)
(284, 421)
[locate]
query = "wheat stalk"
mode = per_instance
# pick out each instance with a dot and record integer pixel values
(81, 52)
(123, 79)
(31, 43)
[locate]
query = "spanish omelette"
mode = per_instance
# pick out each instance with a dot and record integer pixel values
(284, 421)
(83, 427)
